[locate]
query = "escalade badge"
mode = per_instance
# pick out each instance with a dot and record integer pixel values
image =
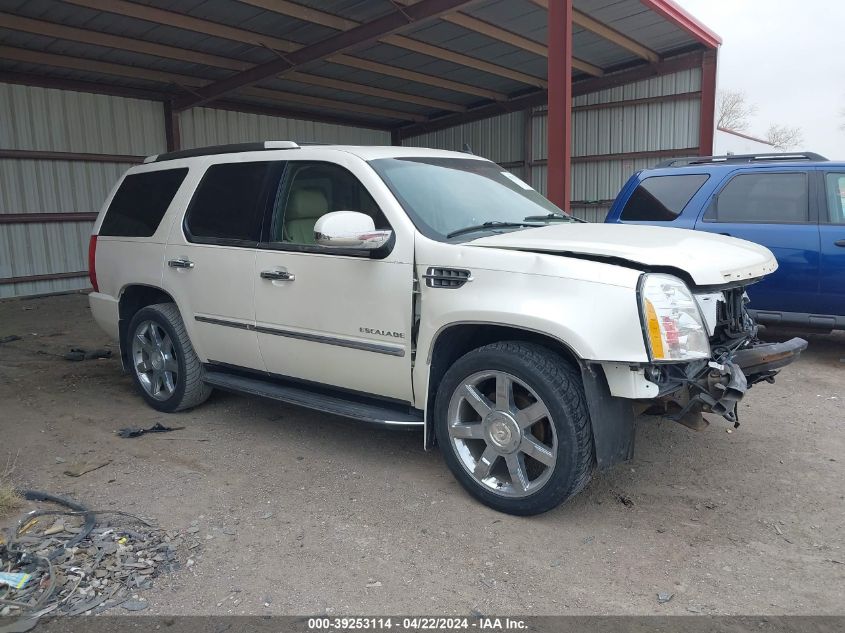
(369, 330)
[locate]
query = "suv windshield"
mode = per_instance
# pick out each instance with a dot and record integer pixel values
(451, 197)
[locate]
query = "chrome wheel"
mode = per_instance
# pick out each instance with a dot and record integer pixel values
(154, 359)
(502, 433)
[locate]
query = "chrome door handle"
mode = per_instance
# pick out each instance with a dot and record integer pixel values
(278, 275)
(180, 263)
(839, 243)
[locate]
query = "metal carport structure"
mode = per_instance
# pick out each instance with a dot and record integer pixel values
(174, 75)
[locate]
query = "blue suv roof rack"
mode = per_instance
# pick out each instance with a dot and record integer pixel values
(740, 158)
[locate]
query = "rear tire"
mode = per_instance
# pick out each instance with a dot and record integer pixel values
(512, 422)
(162, 360)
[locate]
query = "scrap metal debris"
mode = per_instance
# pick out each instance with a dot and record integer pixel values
(80, 468)
(77, 354)
(92, 564)
(136, 431)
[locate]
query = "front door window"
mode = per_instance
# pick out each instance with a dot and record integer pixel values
(312, 189)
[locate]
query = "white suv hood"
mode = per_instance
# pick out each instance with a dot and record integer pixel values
(709, 259)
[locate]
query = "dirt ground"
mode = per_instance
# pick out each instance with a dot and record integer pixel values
(304, 513)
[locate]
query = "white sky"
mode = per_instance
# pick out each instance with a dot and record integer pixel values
(788, 56)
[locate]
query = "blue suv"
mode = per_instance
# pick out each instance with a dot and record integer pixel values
(794, 204)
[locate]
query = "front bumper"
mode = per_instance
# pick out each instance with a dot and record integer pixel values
(762, 361)
(717, 387)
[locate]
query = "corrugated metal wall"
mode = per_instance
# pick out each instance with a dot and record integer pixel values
(40, 119)
(499, 138)
(49, 120)
(204, 126)
(627, 128)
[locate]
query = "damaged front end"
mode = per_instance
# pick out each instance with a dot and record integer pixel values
(739, 360)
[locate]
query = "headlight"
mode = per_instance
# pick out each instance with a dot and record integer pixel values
(674, 327)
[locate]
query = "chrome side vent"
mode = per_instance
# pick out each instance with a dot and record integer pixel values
(446, 277)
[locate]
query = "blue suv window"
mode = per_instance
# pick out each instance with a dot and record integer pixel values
(662, 198)
(836, 197)
(774, 198)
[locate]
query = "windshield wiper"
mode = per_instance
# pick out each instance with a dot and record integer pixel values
(553, 216)
(495, 224)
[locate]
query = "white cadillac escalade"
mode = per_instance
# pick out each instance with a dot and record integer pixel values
(416, 287)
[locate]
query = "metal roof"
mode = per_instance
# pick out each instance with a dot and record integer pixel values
(378, 63)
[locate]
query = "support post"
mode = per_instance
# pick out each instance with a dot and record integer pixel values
(396, 137)
(560, 102)
(708, 102)
(527, 145)
(171, 127)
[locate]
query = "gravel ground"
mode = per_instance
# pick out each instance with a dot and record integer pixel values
(303, 513)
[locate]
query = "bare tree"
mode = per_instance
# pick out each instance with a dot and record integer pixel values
(784, 137)
(734, 111)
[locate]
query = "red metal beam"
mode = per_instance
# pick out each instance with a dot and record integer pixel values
(743, 135)
(365, 33)
(47, 277)
(707, 123)
(30, 218)
(672, 12)
(560, 102)
(28, 154)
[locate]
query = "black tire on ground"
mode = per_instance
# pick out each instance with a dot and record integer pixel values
(558, 384)
(190, 388)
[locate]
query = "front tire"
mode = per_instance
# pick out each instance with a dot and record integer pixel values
(162, 360)
(512, 422)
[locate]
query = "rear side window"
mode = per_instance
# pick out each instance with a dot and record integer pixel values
(835, 184)
(230, 201)
(774, 198)
(141, 202)
(662, 198)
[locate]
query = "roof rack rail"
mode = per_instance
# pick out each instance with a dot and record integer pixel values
(222, 149)
(740, 158)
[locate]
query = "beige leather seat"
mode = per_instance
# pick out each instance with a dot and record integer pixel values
(304, 207)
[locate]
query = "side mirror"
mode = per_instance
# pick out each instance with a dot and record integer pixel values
(349, 229)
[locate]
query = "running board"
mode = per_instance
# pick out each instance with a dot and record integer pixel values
(376, 412)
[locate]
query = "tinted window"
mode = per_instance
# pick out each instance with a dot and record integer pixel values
(230, 201)
(836, 197)
(662, 198)
(312, 189)
(141, 202)
(773, 198)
